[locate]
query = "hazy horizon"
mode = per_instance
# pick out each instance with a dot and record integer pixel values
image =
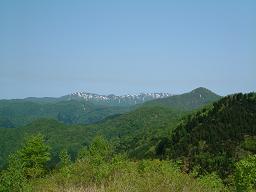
(53, 48)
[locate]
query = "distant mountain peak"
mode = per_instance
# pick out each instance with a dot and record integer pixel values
(188, 101)
(201, 90)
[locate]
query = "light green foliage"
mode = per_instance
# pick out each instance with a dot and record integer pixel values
(212, 180)
(28, 162)
(92, 166)
(65, 159)
(65, 162)
(64, 165)
(99, 155)
(34, 154)
(245, 176)
(127, 176)
(98, 169)
(100, 148)
(82, 153)
(13, 179)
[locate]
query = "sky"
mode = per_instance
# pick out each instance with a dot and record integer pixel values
(56, 47)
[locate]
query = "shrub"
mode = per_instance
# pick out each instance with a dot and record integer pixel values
(213, 181)
(245, 175)
(13, 179)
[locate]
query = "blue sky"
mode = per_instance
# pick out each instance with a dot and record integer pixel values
(55, 47)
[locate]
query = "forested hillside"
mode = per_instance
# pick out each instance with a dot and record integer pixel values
(187, 101)
(137, 132)
(58, 135)
(216, 137)
(208, 145)
(15, 113)
(97, 168)
(73, 110)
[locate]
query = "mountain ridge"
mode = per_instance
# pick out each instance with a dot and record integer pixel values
(187, 101)
(119, 100)
(102, 99)
(86, 108)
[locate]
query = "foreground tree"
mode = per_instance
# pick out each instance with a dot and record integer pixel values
(34, 154)
(13, 179)
(28, 162)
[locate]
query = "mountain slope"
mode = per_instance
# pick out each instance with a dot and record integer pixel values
(138, 132)
(75, 108)
(58, 135)
(215, 137)
(187, 101)
(14, 113)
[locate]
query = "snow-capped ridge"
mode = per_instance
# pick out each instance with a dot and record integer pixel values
(128, 98)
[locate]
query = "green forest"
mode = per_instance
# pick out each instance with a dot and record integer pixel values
(196, 141)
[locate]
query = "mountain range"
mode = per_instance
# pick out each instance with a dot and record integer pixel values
(201, 131)
(112, 100)
(131, 124)
(87, 108)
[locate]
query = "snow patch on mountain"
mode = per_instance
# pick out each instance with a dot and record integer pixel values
(129, 98)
